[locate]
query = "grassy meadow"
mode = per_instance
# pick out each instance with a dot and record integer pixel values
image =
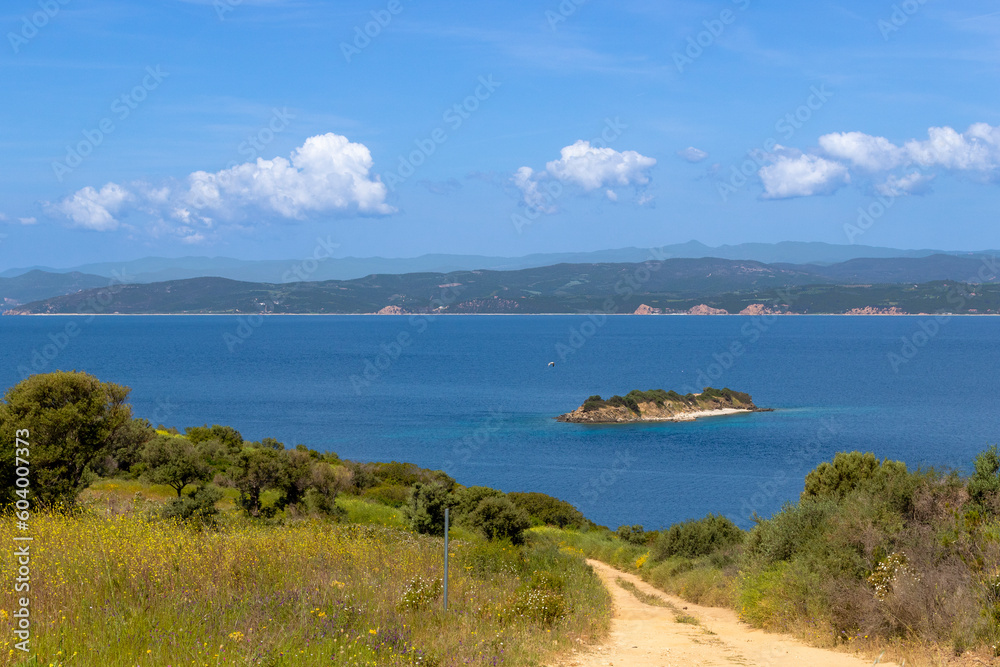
(112, 586)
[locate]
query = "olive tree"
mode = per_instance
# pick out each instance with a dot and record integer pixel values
(70, 418)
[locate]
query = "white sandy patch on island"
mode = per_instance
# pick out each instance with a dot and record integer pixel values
(691, 416)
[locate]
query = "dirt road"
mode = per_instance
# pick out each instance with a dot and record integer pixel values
(647, 635)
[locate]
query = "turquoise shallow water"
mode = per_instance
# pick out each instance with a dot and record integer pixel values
(474, 394)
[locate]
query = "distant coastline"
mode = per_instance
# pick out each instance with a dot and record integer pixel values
(84, 314)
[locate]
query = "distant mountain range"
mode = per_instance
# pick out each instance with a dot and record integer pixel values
(902, 284)
(157, 269)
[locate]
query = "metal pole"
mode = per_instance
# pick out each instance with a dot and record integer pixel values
(446, 559)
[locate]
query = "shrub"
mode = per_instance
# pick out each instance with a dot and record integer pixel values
(700, 537)
(468, 498)
(425, 508)
(616, 401)
(199, 506)
(227, 435)
(632, 534)
(393, 495)
(499, 519)
(850, 471)
(549, 511)
(984, 485)
(793, 528)
(317, 502)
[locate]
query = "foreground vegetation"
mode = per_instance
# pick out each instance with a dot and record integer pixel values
(873, 557)
(152, 547)
(121, 589)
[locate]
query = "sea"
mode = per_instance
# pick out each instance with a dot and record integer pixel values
(477, 396)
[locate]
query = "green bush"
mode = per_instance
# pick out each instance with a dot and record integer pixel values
(549, 511)
(323, 504)
(227, 435)
(199, 506)
(788, 531)
(468, 498)
(850, 471)
(420, 592)
(632, 534)
(700, 537)
(499, 519)
(424, 510)
(617, 401)
(984, 485)
(393, 495)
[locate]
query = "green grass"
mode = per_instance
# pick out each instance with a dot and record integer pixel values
(370, 514)
(115, 587)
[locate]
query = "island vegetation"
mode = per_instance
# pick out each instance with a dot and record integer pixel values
(660, 405)
(156, 546)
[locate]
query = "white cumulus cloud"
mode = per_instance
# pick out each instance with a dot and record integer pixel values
(587, 167)
(591, 167)
(863, 150)
(94, 209)
(913, 183)
(327, 174)
(802, 176)
(977, 149)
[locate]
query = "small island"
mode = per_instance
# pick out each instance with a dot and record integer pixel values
(660, 405)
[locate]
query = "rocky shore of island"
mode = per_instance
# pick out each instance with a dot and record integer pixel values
(659, 405)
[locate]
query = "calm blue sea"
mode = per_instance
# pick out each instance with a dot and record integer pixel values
(474, 395)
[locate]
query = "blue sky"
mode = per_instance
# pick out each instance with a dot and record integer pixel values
(250, 129)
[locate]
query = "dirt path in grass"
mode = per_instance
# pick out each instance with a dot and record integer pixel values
(647, 635)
